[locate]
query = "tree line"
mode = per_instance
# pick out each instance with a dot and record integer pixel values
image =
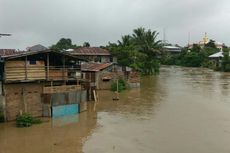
(142, 51)
(199, 57)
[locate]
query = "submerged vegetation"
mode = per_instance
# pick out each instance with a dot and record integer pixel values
(120, 85)
(26, 120)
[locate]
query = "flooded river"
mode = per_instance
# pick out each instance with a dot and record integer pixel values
(181, 110)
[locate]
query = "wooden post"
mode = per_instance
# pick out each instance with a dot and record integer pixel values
(116, 93)
(48, 66)
(63, 68)
(4, 101)
(90, 89)
(117, 85)
(51, 84)
(50, 108)
(24, 99)
(95, 96)
(26, 66)
(80, 94)
(4, 74)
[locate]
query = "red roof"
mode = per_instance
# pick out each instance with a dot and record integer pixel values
(7, 52)
(95, 66)
(90, 51)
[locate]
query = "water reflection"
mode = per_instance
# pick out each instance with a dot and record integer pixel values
(137, 102)
(62, 135)
(181, 110)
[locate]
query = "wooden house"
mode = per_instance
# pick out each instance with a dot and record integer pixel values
(216, 59)
(94, 54)
(36, 81)
(100, 76)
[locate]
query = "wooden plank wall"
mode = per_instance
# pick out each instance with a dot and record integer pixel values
(61, 89)
(16, 70)
(58, 74)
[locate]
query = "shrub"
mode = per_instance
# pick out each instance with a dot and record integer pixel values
(26, 120)
(121, 85)
(227, 67)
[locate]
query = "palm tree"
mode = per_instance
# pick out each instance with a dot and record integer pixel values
(146, 42)
(126, 40)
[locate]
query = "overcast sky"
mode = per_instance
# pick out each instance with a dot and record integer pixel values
(99, 21)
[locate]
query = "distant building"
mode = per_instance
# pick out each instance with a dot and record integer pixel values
(206, 40)
(217, 55)
(216, 59)
(93, 54)
(172, 49)
(6, 52)
(36, 48)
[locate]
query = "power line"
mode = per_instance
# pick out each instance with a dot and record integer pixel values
(4, 34)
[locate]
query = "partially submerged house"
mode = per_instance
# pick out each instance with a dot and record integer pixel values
(100, 76)
(93, 54)
(42, 83)
(216, 58)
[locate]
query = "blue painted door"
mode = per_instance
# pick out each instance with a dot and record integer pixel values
(65, 110)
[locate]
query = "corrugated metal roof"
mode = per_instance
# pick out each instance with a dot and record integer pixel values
(18, 54)
(216, 55)
(8, 52)
(95, 66)
(90, 51)
(38, 47)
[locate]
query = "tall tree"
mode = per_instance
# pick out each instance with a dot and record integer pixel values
(140, 50)
(146, 42)
(63, 44)
(211, 44)
(86, 44)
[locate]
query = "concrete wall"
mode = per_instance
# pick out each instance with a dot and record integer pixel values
(23, 97)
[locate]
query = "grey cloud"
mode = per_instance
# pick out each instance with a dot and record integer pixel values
(101, 21)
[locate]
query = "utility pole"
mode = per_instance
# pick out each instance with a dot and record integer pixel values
(164, 37)
(189, 38)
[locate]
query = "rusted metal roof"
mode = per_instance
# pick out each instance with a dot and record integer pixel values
(16, 54)
(8, 52)
(90, 51)
(95, 66)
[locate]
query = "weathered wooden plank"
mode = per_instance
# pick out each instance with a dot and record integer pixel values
(61, 89)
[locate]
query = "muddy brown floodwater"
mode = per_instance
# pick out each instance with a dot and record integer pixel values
(181, 110)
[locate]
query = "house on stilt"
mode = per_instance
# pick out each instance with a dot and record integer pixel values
(42, 83)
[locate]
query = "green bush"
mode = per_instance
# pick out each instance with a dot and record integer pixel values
(227, 67)
(26, 120)
(121, 85)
